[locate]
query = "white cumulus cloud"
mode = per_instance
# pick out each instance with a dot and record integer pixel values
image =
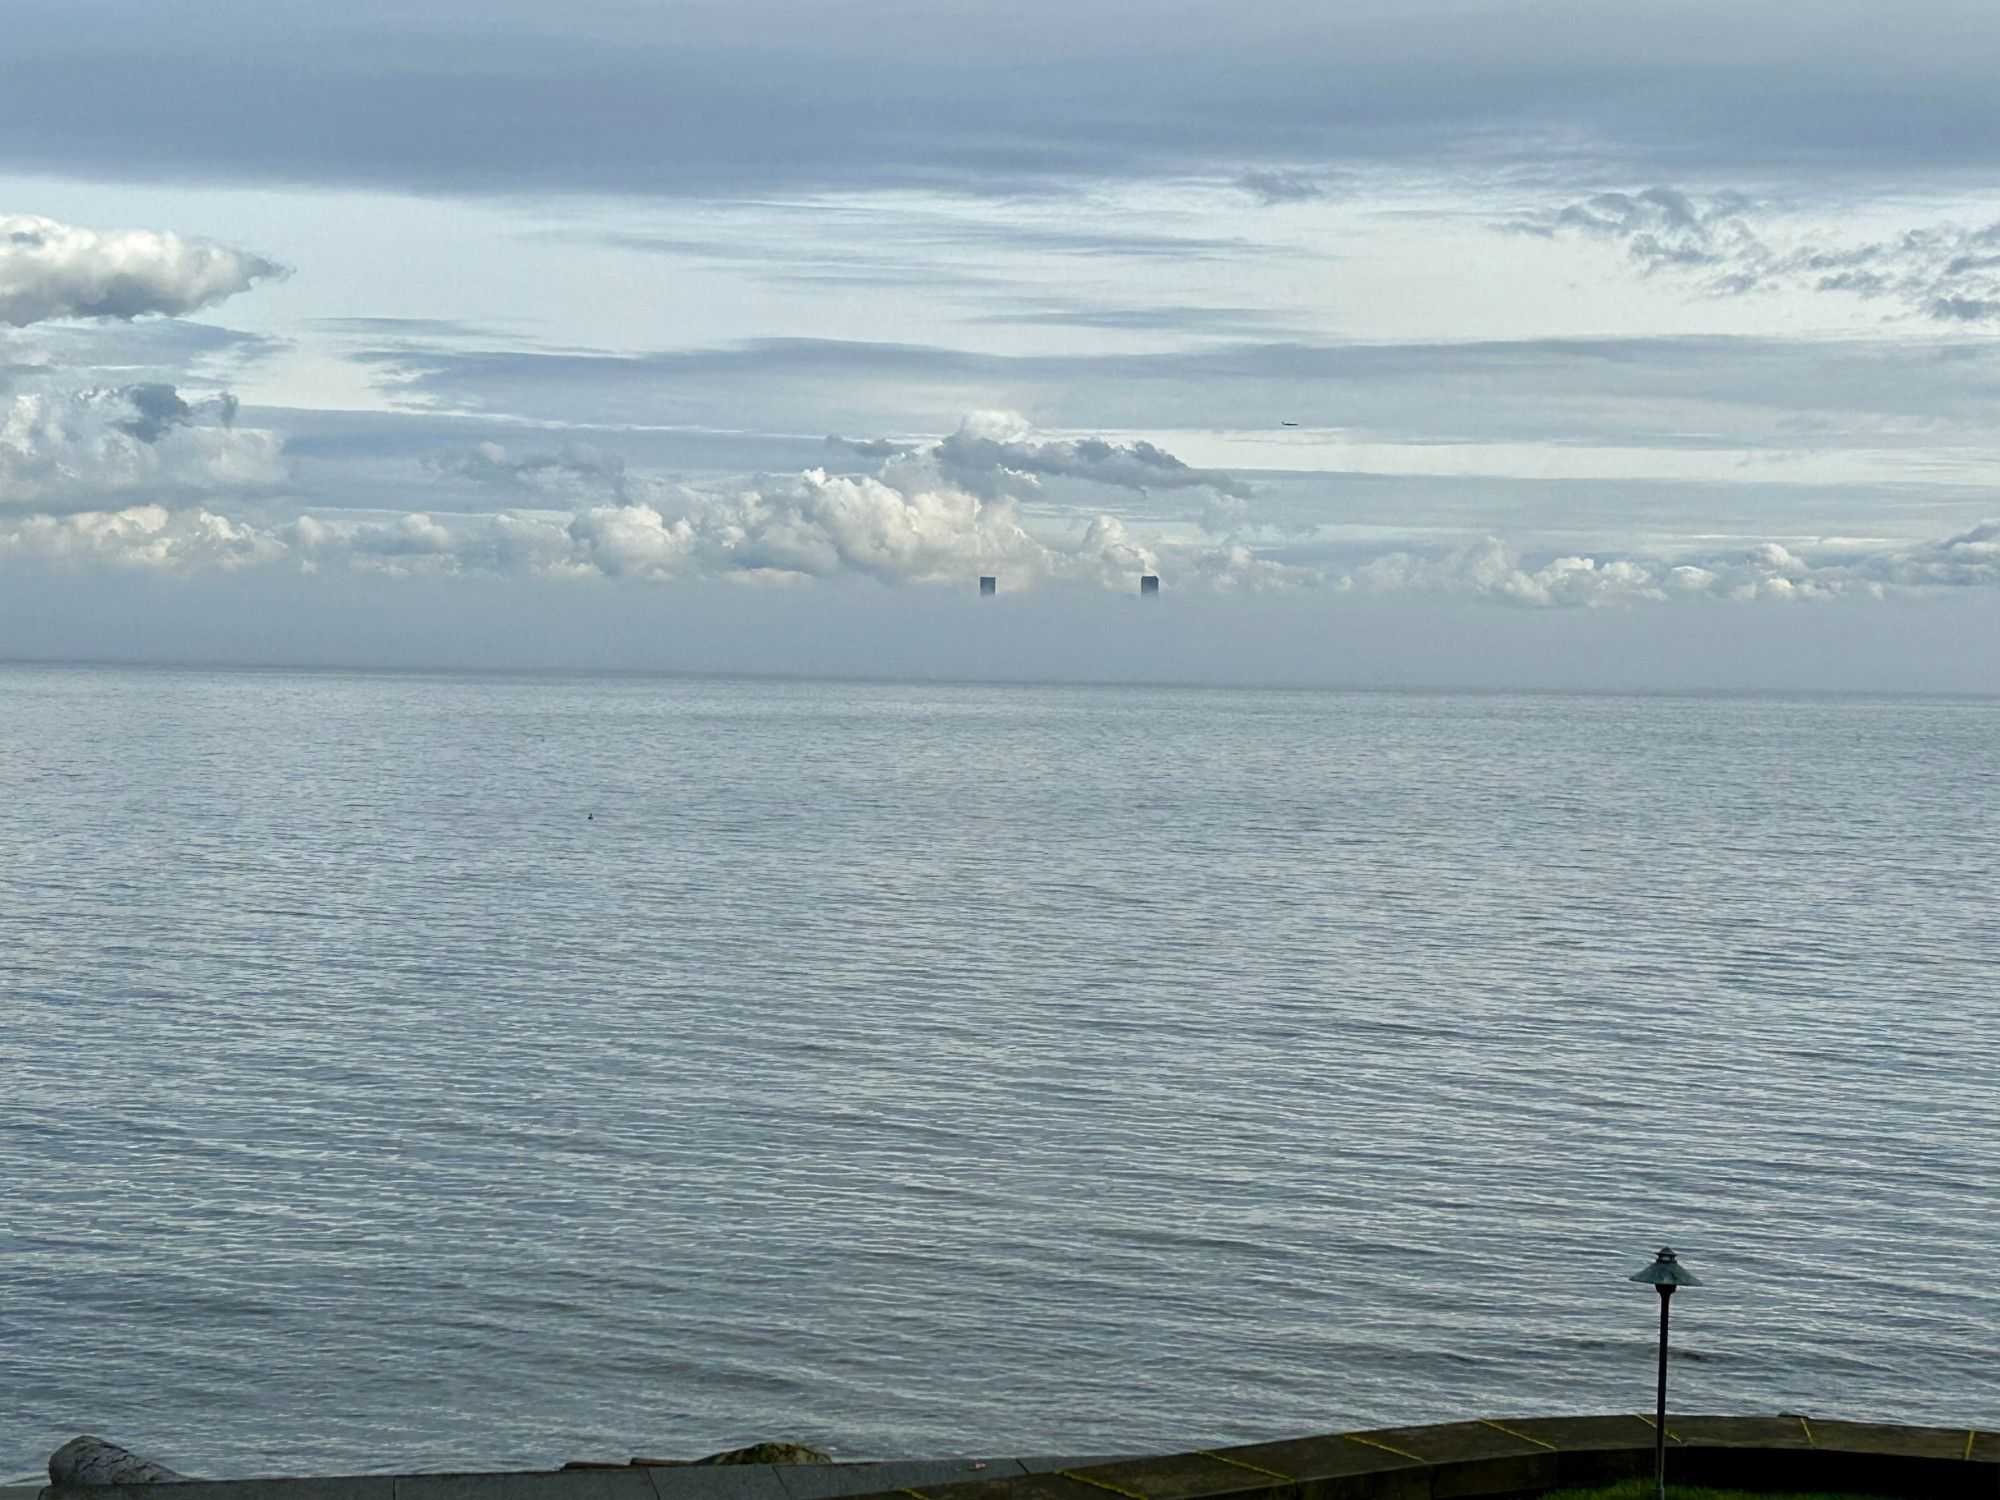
(78, 450)
(1489, 568)
(145, 537)
(999, 452)
(50, 270)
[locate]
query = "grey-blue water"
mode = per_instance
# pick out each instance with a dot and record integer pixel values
(410, 1071)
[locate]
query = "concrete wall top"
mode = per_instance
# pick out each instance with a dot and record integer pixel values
(1449, 1461)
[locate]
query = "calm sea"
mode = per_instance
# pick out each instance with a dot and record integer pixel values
(427, 1071)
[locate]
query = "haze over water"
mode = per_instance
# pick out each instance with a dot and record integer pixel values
(422, 1071)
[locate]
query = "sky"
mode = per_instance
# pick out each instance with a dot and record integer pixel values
(1489, 343)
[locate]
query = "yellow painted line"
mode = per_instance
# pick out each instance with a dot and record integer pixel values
(1969, 1436)
(1811, 1441)
(1100, 1484)
(1524, 1437)
(1224, 1458)
(1386, 1448)
(1671, 1434)
(918, 1494)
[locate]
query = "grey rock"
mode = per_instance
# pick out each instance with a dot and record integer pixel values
(768, 1453)
(91, 1460)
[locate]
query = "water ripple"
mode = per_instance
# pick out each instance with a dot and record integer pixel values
(932, 1070)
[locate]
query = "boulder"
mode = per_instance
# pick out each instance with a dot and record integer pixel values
(768, 1453)
(91, 1460)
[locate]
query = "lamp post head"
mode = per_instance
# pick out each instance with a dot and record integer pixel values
(1666, 1272)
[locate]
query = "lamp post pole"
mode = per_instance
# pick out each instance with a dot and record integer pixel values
(1663, 1275)
(1666, 1291)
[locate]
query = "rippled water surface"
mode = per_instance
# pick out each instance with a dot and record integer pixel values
(429, 1071)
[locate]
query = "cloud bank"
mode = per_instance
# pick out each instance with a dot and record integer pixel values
(50, 270)
(1768, 570)
(817, 527)
(933, 514)
(821, 528)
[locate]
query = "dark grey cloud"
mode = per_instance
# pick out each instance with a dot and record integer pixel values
(763, 96)
(570, 468)
(155, 409)
(871, 448)
(427, 329)
(1270, 186)
(911, 229)
(50, 270)
(158, 408)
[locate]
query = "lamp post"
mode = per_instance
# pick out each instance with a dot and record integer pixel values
(1663, 1275)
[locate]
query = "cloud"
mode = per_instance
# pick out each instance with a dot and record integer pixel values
(871, 447)
(816, 527)
(1236, 569)
(1764, 571)
(1970, 559)
(1944, 273)
(935, 514)
(1270, 187)
(1678, 392)
(74, 450)
(50, 270)
(780, 93)
(147, 538)
(913, 523)
(992, 450)
(927, 513)
(1488, 568)
(158, 408)
(572, 470)
(1660, 227)
(1187, 320)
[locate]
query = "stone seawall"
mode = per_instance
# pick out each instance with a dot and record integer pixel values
(1452, 1461)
